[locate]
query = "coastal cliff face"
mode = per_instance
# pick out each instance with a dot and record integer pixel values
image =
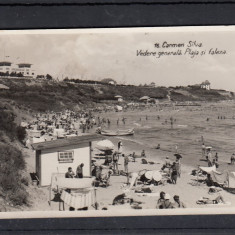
(42, 95)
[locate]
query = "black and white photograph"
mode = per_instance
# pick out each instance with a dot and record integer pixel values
(125, 121)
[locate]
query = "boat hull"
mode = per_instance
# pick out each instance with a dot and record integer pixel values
(118, 133)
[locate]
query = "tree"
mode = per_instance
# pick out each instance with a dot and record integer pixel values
(21, 133)
(13, 74)
(40, 76)
(109, 81)
(20, 75)
(48, 77)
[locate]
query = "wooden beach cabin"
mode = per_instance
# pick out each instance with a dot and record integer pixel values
(57, 155)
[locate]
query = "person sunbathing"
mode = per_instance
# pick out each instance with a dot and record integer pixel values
(162, 197)
(143, 153)
(178, 203)
(165, 203)
(205, 200)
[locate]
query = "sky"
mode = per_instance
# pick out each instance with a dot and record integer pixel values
(95, 54)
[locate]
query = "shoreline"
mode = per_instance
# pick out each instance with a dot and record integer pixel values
(189, 147)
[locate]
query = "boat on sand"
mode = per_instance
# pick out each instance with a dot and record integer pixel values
(117, 132)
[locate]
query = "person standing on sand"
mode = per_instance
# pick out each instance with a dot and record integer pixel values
(172, 122)
(174, 173)
(176, 148)
(123, 120)
(203, 150)
(120, 146)
(126, 161)
(115, 161)
(209, 157)
(178, 167)
(216, 157)
(232, 159)
(133, 156)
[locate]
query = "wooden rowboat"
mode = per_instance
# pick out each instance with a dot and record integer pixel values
(118, 132)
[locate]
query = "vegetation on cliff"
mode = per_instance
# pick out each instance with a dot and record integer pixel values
(42, 95)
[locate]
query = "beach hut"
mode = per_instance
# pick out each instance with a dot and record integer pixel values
(57, 155)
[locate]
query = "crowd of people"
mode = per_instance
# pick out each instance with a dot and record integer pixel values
(55, 125)
(74, 122)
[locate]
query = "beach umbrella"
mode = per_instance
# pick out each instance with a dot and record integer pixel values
(178, 155)
(157, 176)
(209, 147)
(142, 172)
(149, 175)
(105, 145)
(144, 98)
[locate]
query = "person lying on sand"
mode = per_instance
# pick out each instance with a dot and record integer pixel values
(205, 200)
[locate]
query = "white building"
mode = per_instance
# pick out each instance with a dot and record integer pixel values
(5, 66)
(57, 156)
(206, 85)
(24, 68)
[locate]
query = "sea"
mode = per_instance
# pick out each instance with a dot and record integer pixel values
(212, 124)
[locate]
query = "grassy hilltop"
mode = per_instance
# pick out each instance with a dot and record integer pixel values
(42, 95)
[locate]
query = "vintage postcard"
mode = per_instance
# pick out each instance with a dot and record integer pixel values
(132, 121)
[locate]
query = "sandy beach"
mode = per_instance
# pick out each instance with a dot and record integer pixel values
(187, 132)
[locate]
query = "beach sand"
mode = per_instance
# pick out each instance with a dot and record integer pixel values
(186, 133)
